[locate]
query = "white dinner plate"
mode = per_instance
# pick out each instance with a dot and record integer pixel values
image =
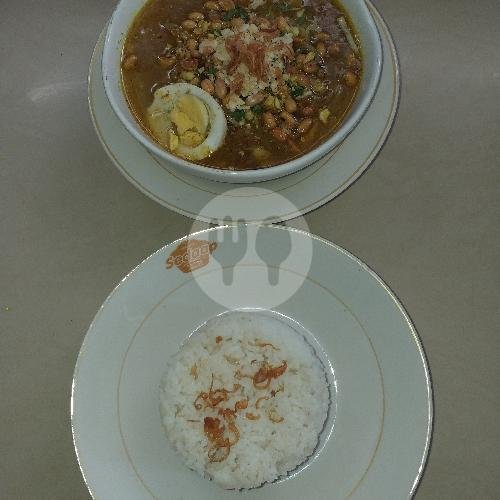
(376, 440)
(298, 193)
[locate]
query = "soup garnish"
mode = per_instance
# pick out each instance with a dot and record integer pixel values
(284, 74)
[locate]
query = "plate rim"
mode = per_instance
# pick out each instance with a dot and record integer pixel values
(415, 337)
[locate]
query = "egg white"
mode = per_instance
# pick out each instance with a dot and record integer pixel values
(208, 116)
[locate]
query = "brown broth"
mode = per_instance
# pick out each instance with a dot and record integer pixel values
(157, 25)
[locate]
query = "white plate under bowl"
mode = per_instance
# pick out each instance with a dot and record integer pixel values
(304, 190)
(377, 436)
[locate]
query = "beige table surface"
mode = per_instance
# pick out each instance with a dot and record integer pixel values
(425, 216)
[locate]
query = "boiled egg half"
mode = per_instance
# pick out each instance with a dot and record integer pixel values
(187, 121)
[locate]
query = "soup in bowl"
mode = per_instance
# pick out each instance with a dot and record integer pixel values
(241, 90)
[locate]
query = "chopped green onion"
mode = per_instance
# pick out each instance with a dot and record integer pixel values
(210, 71)
(257, 109)
(236, 12)
(296, 90)
(301, 20)
(237, 114)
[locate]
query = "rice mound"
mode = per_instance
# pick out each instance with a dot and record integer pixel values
(280, 426)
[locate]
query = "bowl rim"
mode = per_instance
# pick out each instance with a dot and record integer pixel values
(248, 175)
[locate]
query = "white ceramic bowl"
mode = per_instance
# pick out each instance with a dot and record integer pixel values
(372, 65)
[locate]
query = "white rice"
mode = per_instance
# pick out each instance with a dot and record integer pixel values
(266, 449)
